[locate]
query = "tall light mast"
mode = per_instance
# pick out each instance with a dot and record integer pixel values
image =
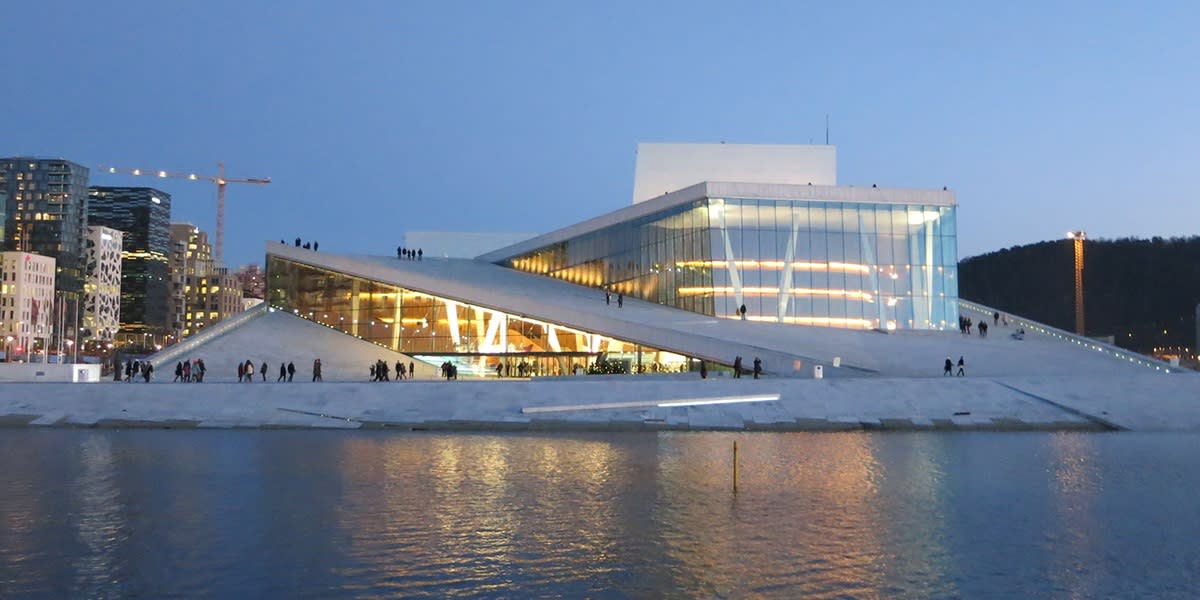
(1078, 237)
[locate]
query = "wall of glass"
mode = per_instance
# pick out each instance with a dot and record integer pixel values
(651, 258)
(835, 264)
(479, 341)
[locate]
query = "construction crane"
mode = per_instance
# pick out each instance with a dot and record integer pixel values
(218, 179)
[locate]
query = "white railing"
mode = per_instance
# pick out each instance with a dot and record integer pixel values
(1066, 336)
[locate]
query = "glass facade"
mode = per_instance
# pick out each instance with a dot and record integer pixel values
(836, 264)
(479, 341)
(46, 213)
(144, 215)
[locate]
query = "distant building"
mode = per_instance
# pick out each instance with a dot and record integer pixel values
(100, 318)
(458, 244)
(3, 212)
(144, 215)
(26, 302)
(46, 212)
(252, 280)
(207, 294)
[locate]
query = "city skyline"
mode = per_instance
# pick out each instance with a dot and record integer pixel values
(392, 118)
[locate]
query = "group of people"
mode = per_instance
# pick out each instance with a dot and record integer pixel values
(449, 370)
(966, 323)
(190, 371)
(949, 366)
(287, 371)
(737, 368)
(307, 245)
(380, 371)
(620, 298)
(134, 368)
(408, 254)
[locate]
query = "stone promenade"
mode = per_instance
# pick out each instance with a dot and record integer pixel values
(1150, 402)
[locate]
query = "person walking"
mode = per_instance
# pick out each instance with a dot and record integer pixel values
(737, 367)
(703, 370)
(607, 297)
(949, 367)
(412, 370)
(757, 367)
(263, 371)
(178, 372)
(200, 370)
(961, 364)
(249, 371)
(241, 371)
(291, 371)
(316, 370)
(620, 299)
(282, 373)
(420, 253)
(399, 370)
(996, 318)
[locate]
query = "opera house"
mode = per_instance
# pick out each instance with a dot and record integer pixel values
(725, 251)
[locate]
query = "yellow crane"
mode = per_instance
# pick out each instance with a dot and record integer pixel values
(218, 179)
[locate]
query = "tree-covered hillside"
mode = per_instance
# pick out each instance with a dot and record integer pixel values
(1134, 290)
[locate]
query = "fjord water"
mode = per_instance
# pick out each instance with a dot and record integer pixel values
(148, 513)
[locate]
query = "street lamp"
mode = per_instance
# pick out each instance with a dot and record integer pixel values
(1078, 237)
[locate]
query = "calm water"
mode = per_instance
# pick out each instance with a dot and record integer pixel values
(99, 513)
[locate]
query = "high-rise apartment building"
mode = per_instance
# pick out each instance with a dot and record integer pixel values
(100, 318)
(201, 293)
(46, 212)
(253, 281)
(144, 216)
(26, 302)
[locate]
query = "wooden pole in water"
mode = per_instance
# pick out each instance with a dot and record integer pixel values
(735, 466)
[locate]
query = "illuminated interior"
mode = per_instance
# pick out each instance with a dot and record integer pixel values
(434, 329)
(834, 264)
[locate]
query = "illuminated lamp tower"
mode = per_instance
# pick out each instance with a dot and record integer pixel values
(1078, 237)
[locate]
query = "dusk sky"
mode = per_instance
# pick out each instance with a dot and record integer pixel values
(375, 118)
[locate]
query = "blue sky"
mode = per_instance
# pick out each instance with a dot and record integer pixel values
(375, 118)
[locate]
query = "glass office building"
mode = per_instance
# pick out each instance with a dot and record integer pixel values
(143, 214)
(435, 329)
(811, 255)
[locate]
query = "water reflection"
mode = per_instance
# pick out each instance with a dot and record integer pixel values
(295, 514)
(1076, 483)
(98, 521)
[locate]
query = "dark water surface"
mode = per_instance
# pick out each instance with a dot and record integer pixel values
(286, 514)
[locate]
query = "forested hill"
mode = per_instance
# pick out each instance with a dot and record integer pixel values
(1134, 290)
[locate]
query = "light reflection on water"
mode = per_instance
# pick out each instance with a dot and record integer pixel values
(104, 513)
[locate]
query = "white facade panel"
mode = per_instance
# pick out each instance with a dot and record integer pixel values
(101, 316)
(665, 168)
